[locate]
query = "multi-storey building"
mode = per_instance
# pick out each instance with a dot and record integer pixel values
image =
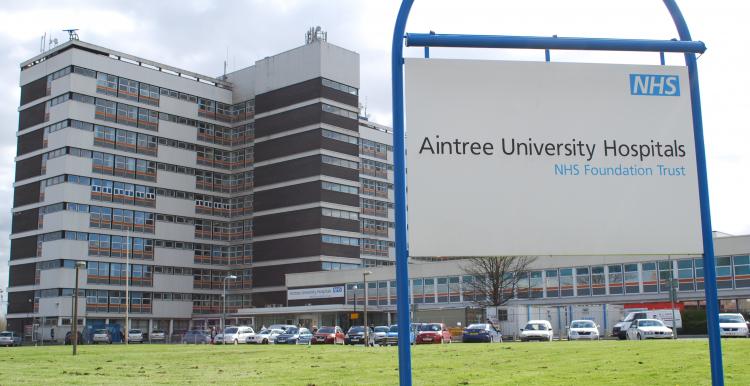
(180, 184)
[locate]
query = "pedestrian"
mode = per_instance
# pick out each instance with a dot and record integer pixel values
(213, 334)
(52, 334)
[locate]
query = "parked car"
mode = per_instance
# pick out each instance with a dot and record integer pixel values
(68, 338)
(237, 334)
(218, 338)
(196, 337)
(265, 336)
(621, 328)
(356, 335)
(733, 325)
(294, 335)
(381, 334)
(540, 330)
(135, 335)
(648, 329)
(433, 333)
(329, 335)
(392, 337)
(481, 332)
(583, 329)
(282, 327)
(102, 336)
(9, 338)
(158, 336)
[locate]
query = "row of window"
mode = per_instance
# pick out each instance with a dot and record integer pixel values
(340, 112)
(106, 218)
(116, 301)
(372, 207)
(375, 247)
(334, 187)
(339, 86)
(143, 248)
(375, 188)
(341, 240)
(375, 227)
(215, 279)
(344, 163)
(374, 149)
(117, 274)
(336, 213)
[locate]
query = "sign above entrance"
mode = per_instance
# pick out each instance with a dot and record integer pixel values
(315, 293)
(534, 158)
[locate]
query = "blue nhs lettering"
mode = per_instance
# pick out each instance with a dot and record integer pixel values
(650, 84)
(567, 170)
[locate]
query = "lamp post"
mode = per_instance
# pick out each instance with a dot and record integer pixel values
(367, 329)
(355, 288)
(127, 287)
(74, 322)
(224, 300)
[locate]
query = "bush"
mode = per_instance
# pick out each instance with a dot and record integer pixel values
(694, 322)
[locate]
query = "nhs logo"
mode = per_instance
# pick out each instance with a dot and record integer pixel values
(651, 84)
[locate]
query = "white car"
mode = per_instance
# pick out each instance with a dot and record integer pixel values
(265, 336)
(540, 330)
(135, 336)
(219, 338)
(102, 336)
(733, 325)
(9, 338)
(648, 329)
(583, 329)
(237, 334)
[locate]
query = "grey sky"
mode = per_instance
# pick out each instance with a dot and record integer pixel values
(196, 35)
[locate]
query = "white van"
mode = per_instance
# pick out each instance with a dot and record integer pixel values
(238, 334)
(620, 329)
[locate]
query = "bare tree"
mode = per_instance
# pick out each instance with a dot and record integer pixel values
(495, 277)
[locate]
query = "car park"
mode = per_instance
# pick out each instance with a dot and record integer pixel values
(158, 336)
(329, 335)
(235, 335)
(265, 336)
(135, 336)
(583, 329)
(196, 337)
(481, 332)
(356, 335)
(433, 333)
(102, 336)
(294, 335)
(641, 329)
(9, 338)
(381, 334)
(392, 337)
(540, 330)
(733, 325)
(68, 339)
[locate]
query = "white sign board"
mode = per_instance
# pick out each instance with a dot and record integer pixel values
(536, 158)
(315, 293)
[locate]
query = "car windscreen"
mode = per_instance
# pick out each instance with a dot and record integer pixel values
(650, 323)
(6, 334)
(356, 329)
(731, 319)
(430, 327)
(230, 330)
(134, 331)
(394, 329)
(326, 330)
(535, 327)
(582, 324)
(381, 329)
(477, 327)
(100, 332)
(291, 330)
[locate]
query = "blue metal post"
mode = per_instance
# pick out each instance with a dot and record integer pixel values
(661, 58)
(399, 191)
(604, 318)
(709, 264)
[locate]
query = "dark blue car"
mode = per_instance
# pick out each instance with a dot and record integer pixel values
(481, 332)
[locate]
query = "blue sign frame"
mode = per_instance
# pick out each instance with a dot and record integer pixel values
(685, 45)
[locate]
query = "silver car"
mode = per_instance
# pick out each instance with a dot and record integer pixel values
(135, 335)
(102, 336)
(9, 338)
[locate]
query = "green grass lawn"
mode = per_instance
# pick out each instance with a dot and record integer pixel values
(682, 362)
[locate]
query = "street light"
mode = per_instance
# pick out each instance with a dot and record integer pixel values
(74, 330)
(355, 288)
(224, 300)
(367, 329)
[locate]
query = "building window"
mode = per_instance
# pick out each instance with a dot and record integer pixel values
(685, 275)
(566, 282)
(650, 279)
(741, 271)
(552, 283)
(698, 264)
(583, 282)
(106, 84)
(631, 279)
(615, 279)
(106, 110)
(724, 272)
(597, 281)
(128, 89)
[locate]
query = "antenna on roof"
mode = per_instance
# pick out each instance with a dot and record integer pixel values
(72, 35)
(315, 34)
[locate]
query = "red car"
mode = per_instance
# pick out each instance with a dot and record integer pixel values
(329, 335)
(433, 333)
